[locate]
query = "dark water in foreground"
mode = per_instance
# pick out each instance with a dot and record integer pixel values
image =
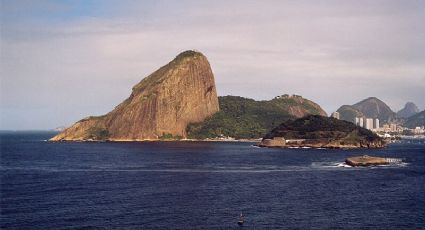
(199, 185)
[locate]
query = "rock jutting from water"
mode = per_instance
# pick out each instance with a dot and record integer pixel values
(366, 160)
(161, 105)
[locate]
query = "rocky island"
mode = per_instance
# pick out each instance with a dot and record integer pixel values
(366, 161)
(321, 132)
(161, 105)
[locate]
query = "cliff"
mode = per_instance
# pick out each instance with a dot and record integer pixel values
(321, 132)
(161, 105)
(366, 161)
(241, 117)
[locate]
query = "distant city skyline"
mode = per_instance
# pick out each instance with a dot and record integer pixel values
(64, 60)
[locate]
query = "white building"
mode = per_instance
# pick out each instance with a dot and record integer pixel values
(361, 122)
(369, 123)
(335, 115)
(376, 125)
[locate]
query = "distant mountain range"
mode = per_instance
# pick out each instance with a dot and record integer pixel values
(371, 107)
(179, 101)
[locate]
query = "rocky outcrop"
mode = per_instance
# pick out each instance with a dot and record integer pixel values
(366, 161)
(275, 142)
(409, 110)
(161, 105)
(321, 132)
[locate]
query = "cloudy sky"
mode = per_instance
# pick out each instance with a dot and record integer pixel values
(65, 60)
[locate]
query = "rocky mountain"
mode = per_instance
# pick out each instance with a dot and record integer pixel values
(241, 117)
(409, 110)
(415, 120)
(371, 107)
(349, 113)
(319, 131)
(161, 105)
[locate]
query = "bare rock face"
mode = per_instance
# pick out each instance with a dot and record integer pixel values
(162, 104)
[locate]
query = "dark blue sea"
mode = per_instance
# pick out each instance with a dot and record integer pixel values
(204, 185)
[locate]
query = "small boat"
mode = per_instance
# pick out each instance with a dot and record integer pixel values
(240, 222)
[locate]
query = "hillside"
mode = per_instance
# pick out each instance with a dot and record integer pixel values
(371, 107)
(416, 120)
(349, 113)
(246, 118)
(409, 110)
(374, 108)
(319, 131)
(161, 105)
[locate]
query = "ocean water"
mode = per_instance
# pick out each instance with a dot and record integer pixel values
(204, 185)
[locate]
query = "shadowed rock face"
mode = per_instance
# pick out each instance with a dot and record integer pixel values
(409, 110)
(162, 104)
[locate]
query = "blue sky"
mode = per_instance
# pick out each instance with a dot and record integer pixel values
(65, 60)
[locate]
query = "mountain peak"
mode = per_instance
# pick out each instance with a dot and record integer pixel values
(371, 107)
(409, 110)
(161, 105)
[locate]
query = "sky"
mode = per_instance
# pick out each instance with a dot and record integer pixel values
(64, 60)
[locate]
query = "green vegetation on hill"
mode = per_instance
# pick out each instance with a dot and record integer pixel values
(319, 127)
(349, 113)
(246, 118)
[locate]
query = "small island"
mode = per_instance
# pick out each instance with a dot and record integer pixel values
(365, 161)
(321, 132)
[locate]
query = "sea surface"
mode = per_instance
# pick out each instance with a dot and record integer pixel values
(204, 185)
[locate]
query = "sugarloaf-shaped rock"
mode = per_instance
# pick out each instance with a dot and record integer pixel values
(409, 110)
(162, 104)
(371, 107)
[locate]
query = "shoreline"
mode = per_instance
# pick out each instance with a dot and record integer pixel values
(167, 140)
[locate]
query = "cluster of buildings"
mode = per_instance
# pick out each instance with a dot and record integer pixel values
(373, 124)
(367, 123)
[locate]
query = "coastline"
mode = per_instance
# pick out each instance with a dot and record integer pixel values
(165, 140)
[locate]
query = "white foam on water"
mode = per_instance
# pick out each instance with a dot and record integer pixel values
(330, 165)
